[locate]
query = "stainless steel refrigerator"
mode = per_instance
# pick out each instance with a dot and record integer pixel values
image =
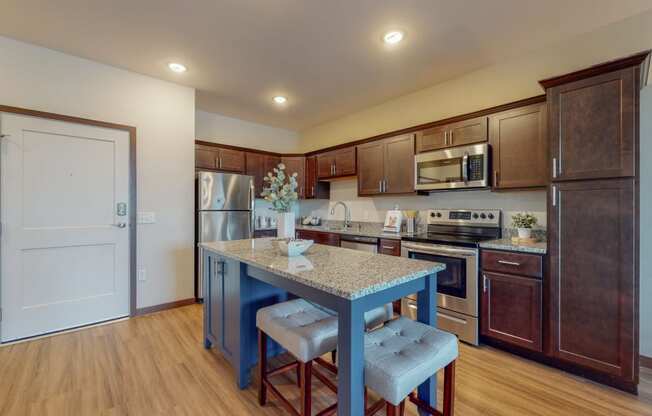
(225, 211)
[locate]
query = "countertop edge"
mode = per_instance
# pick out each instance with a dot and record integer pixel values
(368, 291)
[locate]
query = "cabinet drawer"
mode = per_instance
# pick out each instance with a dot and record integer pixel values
(512, 263)
(389, 247)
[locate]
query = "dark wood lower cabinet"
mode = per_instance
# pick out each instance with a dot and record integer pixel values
(319, 237)
(512, 310)
(594, 277)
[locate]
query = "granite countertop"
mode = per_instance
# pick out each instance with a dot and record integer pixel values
(540, 247)
(342, 272)
(365, 231)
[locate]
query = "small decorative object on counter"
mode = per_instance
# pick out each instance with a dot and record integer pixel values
(310, 220)
(292, 247)
(281, 192)
(393, 221)
(411, 220)
(524, 222)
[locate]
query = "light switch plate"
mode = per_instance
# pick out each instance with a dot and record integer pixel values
(146, 217)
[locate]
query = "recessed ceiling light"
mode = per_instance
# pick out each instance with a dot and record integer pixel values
(279, 99)
(393, 37)
(177, 67)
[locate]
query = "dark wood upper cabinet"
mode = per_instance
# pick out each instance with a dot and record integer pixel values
(336, 163)
(512, 310)
(371, 168)
(473, 130)
(593, 275)
(219, 158)
(594, 120)
(255, 166)
(296, 164)
(313, 188)
(231, 160)
(519, 146)
(382, 166)
(399, 164)
(271, 162)
(206, 157)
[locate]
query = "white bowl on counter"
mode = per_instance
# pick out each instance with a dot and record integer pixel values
(292, 248)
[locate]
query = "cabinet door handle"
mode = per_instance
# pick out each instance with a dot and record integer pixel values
(312, 190)
(388, 247)
(509, 263)
(484, 283)
(380, 186)
(450, 137)
(384, 185)
(554, 196)
(554, 167)
(495, 178)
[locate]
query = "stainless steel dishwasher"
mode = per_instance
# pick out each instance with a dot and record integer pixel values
(358, 242)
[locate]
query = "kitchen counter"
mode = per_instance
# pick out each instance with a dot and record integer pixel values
(346, 273)
(508, 244)
(371, 230)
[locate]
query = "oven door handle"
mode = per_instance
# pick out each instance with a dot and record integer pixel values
(439, 250)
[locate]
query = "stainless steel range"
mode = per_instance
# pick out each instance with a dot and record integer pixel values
(453, 238)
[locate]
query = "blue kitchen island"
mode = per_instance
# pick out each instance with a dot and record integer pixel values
(243, 276)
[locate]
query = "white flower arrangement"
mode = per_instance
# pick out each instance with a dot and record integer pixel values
(282, 189)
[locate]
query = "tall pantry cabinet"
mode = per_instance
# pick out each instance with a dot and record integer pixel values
(593, 226)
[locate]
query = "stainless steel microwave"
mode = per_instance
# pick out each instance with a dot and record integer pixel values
(454, 168)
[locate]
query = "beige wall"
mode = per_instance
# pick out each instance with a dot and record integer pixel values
(217, 128)
(509, 81)
(164, 115)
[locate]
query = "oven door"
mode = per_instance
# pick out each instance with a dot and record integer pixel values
(459, 167)
(457, 285)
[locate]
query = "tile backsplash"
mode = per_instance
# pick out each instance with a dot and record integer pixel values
(374, 209)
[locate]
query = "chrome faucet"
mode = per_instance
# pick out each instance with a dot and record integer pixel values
(347, 213)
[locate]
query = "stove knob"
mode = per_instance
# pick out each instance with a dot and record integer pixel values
(490, 216)
(483, 216)
(439, 215)
(475, 215)
(432, 214)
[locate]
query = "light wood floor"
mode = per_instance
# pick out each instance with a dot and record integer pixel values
(156, 364)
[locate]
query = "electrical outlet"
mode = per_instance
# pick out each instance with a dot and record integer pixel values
(142, 275)
(145, 217)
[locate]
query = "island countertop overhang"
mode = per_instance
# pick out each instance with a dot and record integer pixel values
(339, 271)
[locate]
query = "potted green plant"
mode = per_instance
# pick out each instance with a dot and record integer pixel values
(524, 222)
(281, 191)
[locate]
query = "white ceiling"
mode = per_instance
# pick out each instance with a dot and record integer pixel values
(326, 56)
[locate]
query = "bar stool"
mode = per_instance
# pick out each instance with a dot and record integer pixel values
(403, 354)
(307, 332)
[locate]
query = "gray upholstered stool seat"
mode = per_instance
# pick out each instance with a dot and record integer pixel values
(403, 354)
(306, 331)
(372, 318)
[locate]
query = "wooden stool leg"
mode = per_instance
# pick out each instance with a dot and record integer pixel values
(449, 389)
(299, 375)
(366, 399)
(262, 367)
(306, 388)
(401, 408)
(391, 409)
(334, 356)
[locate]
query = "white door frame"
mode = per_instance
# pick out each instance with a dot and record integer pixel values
(133, 228)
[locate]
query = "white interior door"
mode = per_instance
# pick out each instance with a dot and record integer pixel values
(64, 256)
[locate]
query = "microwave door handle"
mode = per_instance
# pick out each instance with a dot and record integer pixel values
(465, 167)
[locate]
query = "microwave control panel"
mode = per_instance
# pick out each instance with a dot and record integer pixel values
(476, 167)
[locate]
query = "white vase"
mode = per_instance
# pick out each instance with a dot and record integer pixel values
(285, 225)
(524, 233)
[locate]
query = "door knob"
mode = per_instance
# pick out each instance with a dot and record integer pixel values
(120, 225)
